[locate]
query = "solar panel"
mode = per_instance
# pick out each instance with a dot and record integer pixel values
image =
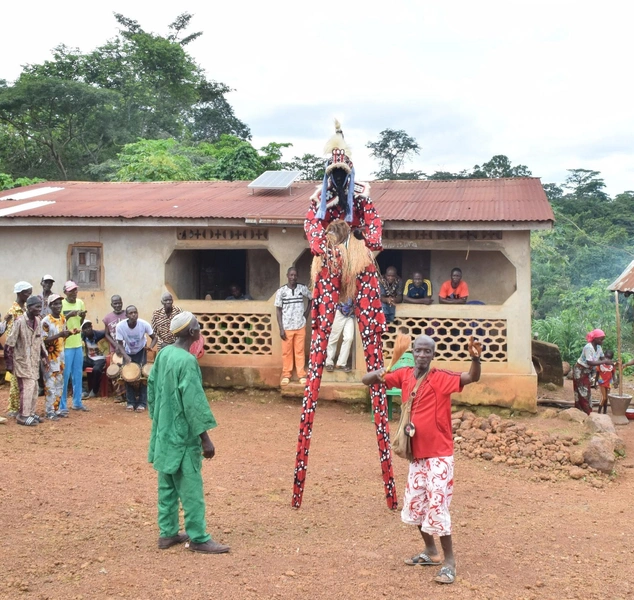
(275, 180)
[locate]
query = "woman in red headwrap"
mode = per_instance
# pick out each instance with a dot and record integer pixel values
(591, 356)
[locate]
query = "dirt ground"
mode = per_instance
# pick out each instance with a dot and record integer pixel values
(78, 515)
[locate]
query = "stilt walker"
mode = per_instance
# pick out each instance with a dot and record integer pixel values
(343, 228)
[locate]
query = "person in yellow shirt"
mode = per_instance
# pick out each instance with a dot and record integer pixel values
(75, 312)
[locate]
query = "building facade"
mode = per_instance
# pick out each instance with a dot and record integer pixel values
(197, 239)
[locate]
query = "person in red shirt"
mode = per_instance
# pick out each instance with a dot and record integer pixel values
(454, 290)
(430, 480)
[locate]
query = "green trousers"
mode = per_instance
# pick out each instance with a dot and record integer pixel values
(187, 485)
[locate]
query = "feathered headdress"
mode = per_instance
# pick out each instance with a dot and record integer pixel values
(339, 159)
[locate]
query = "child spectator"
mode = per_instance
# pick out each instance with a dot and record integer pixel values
(391, 289)
(417, 290)
(606, 375)
(54, 333)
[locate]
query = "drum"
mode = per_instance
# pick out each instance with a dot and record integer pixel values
(131, 373)
(116, 359)
(113, 372)
(146, 370)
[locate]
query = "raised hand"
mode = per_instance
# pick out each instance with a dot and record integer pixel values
(475, 347)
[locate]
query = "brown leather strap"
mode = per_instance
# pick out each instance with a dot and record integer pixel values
(418, 383)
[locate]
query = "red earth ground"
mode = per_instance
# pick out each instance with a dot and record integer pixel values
(78, 515)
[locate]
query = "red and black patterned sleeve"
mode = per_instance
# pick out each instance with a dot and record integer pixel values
(314, 229)
(371, 223)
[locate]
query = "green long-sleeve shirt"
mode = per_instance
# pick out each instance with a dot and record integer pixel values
(178, 408)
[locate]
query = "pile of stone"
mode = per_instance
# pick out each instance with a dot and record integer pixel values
(549, 454)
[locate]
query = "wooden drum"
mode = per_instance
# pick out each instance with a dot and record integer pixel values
(131, 373)
(113, 372)
(146, 370)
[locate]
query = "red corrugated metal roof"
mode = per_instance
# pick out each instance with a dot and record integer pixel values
(510, 200)
(625, 281)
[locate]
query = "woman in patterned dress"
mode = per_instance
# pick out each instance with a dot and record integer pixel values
(591, 356)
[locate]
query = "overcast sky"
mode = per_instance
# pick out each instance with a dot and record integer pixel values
(548, 83)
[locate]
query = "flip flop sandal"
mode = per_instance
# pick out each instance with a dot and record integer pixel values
(302, 380)
(28, 422)
(330, 368)
(421, 559)
(285, 381)
(140, 408)
(446, 575)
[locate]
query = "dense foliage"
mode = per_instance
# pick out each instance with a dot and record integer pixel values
(62, 118)
(139, 108)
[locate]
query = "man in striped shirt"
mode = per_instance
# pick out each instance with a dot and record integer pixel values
(291, 317)
(161, 320)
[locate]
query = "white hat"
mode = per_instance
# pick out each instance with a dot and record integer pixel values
(22, 286)
(180, 321)
(48, 278)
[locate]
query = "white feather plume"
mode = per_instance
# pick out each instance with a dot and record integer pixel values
(337, 141)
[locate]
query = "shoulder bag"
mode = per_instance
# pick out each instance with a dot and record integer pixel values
(402, 441)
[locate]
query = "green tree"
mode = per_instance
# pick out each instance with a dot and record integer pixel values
(69, 121)
(310, 166)
(271, 156)
(447, 175)
(152, 160)
(499, 166)
(392, 149)
(8, 183)
(230, 158)
(139, 85)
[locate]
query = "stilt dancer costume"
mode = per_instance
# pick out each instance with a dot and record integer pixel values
(343, 227)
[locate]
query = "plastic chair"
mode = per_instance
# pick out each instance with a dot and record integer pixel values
(407, 360)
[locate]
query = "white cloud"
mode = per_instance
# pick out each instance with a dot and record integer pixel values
(546, 83)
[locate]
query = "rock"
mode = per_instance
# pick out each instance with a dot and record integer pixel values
(551, 387)
(599, 454)
(549, 413)
(487, 456)
(597, 423)
(565, 368)
(576, 473)
(477, 422)
(467, 415)
(576, 457)
(619, 444)
(457, 415)
(573, 414)
(473, 434)
(547, 361)
(455, 423)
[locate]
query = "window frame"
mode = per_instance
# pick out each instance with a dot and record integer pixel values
(73, 267)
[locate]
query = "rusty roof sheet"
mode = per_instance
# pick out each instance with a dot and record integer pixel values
(625, 281)
(463, 200)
